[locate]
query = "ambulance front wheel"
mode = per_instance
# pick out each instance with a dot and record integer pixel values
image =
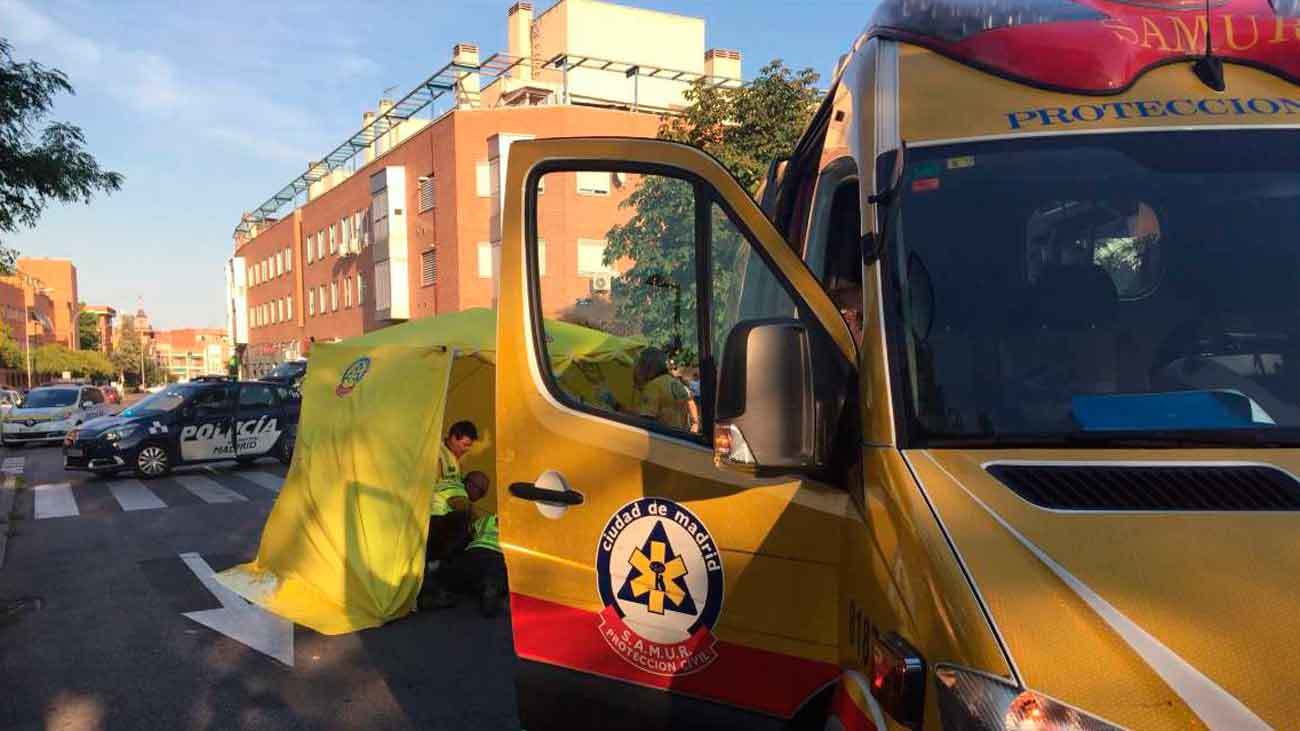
(153, 461)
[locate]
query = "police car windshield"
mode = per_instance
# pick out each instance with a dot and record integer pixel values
(47, 398)
(1130, 288)
(168, 399)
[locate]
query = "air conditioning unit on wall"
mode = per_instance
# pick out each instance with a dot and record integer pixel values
(601, 282)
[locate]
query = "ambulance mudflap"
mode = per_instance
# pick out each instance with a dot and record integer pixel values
(212, 441)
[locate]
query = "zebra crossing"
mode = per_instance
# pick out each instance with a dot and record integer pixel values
(210, 486)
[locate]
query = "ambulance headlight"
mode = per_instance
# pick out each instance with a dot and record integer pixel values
(121, 432)
(975, 701)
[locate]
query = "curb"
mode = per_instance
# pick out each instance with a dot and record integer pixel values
(8, 491)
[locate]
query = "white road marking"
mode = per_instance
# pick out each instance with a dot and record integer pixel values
(13, 465)
(245, 623)
(265, 479)
(209, 490)
(55, 501)
(133, 495)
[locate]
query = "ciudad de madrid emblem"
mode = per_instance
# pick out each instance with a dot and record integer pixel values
(659, 574)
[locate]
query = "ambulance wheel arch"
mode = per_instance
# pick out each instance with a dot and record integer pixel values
(652, 576)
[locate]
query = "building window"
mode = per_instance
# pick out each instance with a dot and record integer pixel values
(363, 226)
(320, 245)
(345, 239)
(347, 292)
(334, 296)
(311, 302)
(308, 246)
(334, 245)
(593, 182)
(279, 264)
(361, 290)
(288, 307)
(429, 268)
(541, 257)
(428, 190)
(483, 179)
(288, 260)
(322, 300)
(591, 257)
(484, 260)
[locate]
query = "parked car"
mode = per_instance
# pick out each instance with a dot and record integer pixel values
(111, 394)
(8, 398)
(206, 420)
(47, 414)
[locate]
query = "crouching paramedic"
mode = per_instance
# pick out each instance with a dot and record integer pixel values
(449, 508)
(479, 570)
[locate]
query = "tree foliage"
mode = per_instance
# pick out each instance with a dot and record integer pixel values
(11, 355)
(745, 128)
(39, 162)
(56, 359)
(88, 331)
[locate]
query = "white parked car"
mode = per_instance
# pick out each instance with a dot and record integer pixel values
(48, 413)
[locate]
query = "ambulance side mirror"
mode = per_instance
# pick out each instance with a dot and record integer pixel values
(766, 410)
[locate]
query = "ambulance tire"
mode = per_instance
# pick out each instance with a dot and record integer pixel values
(284, 447)
(153, 460)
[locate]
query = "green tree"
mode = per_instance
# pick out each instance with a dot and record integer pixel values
(126, 356)
(745, 128)
(88, 331)
(39, 162)
(11, 355)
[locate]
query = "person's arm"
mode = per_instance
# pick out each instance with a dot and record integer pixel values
(694, 410)
(459, 504)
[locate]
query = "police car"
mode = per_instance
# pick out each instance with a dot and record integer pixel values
(48, 413)
(202, 421)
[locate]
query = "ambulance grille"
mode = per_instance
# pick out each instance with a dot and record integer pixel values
(1154, 487)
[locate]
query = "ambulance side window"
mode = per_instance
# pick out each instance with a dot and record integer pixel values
(615, 270)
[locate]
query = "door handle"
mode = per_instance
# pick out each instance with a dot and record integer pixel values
(529, 491)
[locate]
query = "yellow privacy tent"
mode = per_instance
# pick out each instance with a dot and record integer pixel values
(343, 548)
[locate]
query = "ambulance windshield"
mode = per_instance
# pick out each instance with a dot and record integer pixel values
(1126, 287)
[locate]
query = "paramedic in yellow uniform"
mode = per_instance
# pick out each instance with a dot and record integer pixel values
(479, 570)
(660, 395)
(449, 506)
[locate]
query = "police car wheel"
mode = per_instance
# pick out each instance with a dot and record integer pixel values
(284, 452)
(153, 461)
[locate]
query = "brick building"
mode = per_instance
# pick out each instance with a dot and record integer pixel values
(188, 353)
(104, 317)
(59, 277)
(401, 221)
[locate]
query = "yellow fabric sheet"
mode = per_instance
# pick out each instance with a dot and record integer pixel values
(343, 548)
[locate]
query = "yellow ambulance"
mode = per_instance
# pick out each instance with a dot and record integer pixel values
(988, 419)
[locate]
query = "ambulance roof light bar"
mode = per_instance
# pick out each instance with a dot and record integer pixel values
(1096, 47)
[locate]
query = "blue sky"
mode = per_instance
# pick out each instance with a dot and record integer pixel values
(209, 108)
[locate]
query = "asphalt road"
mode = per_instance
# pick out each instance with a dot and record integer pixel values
(110, 646)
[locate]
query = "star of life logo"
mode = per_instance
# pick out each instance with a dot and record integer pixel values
(660, 578)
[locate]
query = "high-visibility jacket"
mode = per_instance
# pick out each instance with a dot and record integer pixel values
(451, 483)
(485, 533)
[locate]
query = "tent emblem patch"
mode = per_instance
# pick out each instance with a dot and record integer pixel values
(660, 578)
(352, 376)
